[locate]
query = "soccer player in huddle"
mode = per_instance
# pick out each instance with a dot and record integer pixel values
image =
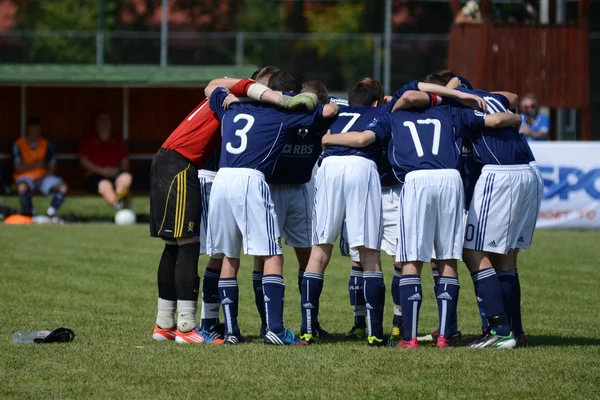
(289, 187)
(175, 207)
(424, 155)
(241, 210)
(209, 316)
(501, 219)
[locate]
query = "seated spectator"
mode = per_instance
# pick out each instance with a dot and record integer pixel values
(534, 125)
(105, 162)
(35, 164)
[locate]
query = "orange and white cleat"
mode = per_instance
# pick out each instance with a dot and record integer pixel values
(195, 336)
(412, 344)
(162, 335)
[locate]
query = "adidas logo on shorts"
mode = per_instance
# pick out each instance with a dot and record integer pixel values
(444, 296)
(415, 297)
(492, 244)
(520, 240)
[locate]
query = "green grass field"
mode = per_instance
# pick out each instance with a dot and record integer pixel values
(99, 280)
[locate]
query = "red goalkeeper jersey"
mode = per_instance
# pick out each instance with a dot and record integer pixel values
(197, 136)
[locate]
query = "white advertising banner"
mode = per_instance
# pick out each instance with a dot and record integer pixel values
(571, 172)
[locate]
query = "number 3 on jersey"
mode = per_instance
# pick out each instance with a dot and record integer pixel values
(241, 133)
(414, 133)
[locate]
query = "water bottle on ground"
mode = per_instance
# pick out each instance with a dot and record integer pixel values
(28, 337)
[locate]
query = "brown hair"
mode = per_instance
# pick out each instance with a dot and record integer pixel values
(318, 88)
(377, 86)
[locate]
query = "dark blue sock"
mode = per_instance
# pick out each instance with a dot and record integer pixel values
(489, 296)
(508, 283)
(447, 300)
(436, 281)
(357, 297)
(229, 293)
(374, 288)
(274, 291)
(517, 322)
(312, 286)
(211, 302)
(26, 204)
(57, 200)
(396, 295)
(300, 277)
(259, 297)
(411, 296)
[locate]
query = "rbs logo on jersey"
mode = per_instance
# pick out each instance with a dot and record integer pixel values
(563, 180)
(298, 149)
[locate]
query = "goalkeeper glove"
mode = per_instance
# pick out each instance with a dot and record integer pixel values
(306, 100)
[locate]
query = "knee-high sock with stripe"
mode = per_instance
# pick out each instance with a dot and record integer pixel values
(274, 292)
(211, 303)
(508, 285)
(396, 296)
(489, 297)
(312, 286)
(357, 297)
(411, 296)
(447, 300)
(374, 288)
(259, 297)
(229, 294)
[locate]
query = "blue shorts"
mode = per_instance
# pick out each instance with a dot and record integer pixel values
(44, 185)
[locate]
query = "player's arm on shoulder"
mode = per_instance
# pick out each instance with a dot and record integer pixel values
(453, 83)
(330, 110)
(511, 98)
(470, 100)
(502, 120)
(414, 99)
(220, 82)
(349, 139)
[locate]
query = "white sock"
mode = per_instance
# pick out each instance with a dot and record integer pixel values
(165, 318)
(186, 315)
(397, 310)
(210, 310)
(51, 211)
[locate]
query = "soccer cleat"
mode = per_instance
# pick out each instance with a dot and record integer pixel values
(286, 338)
(456, 337)
(262, 333)
(495, 341)
(194, 336)
(356, 333)
(411, 344)
(396, 333)
(521, 339)
(385, 341)
(309, 338)
(236, 339)
(162, 335)
(442, 342)
(323, 335)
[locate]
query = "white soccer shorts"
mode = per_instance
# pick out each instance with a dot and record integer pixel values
(504, 209)
(347, 189)
(241, 214)
(206, 178)
(294, 211)
(430, 216)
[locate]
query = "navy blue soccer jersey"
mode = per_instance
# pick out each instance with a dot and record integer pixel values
(354, 118)
(299, 155)
(254, 134)
(504, 146)
(425, 139)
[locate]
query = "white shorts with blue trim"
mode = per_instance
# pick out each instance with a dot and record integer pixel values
(431, 216)
(293, 207)
(206, 178)
(241, 214)
(504, 208)
(348, 192)
(44, 185)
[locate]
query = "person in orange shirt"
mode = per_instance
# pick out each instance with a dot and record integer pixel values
(34, 168)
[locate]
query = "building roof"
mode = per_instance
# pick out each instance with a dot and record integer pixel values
(117, 75)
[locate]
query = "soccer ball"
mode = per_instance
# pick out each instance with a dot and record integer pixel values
(125, 217)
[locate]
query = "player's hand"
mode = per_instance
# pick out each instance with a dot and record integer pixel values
(325, 139)
(306, 100)
(470, 100)
(229, 100)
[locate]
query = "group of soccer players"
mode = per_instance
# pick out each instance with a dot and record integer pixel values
(436, 173)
